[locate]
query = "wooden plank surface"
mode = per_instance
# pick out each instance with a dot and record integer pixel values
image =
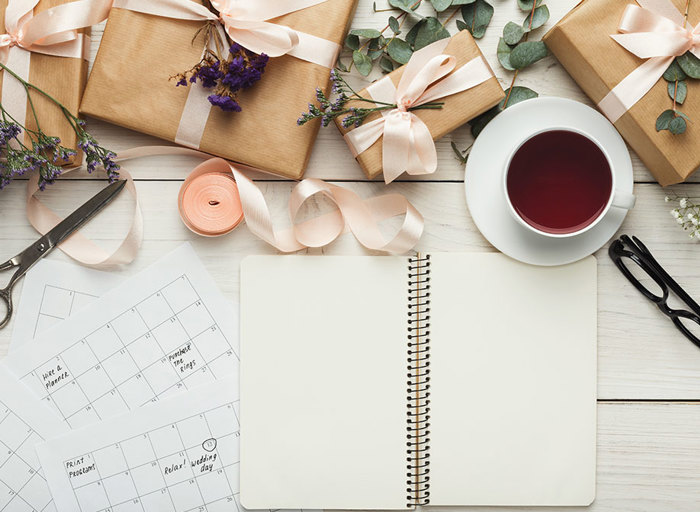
(649, 375)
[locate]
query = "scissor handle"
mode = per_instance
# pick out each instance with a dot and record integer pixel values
(6, 298)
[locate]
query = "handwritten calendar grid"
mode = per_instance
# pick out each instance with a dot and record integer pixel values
(166, 342)
(190, 465)
(58, 303)
(22, 486)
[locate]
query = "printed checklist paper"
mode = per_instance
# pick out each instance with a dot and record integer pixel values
(178, 455)
(24, 423)
(53, 291)
(164, 331)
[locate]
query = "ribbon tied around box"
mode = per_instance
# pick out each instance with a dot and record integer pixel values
(654, 30)
(408, 145)
(52, 32)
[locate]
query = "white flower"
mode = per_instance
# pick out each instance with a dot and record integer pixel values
(667, 199)
(690, 216)
(683, 202)
(680, 220)
(695, 221)
(675, 214)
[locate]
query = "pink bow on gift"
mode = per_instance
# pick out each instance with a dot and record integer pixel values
(52, 32)
(246, 22)
(408, 145)
(653, 30)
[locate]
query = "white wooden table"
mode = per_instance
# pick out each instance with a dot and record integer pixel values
(649, 374)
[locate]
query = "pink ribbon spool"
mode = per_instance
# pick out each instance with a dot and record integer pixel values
(210, 204)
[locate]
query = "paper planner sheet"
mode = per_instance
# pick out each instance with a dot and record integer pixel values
(178, 455)
(51, 292)
(24, 423)
(166, 330)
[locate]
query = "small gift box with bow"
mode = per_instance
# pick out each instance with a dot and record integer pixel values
(148, 43)
(46, 43)
(618, 53)
(450, 75)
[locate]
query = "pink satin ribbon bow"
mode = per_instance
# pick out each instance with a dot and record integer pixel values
(246, 22)
(52, 32)
(408, 145)
(653, 30)
(363, 217)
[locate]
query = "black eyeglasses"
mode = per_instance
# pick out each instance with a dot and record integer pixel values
(686, 320)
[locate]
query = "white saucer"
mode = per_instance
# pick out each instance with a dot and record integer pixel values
(484, 180)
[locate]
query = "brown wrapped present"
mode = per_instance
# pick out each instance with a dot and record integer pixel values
(478, 90)
(61, 77)
(130, 86)
(583, 44)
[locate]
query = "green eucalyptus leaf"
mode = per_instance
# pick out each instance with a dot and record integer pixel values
(677, 125)
(674, 72)
(538, 17)
(527, 53)
(503, 53)
(690, 64)
(462, 2)
(394, 25)
(386, 64)
(429, 32)
(461, 25)
(679, 94)
(341, 66)
(480, 122)
(369, 33)
(526, 5)
(362, 62)
(352, 42)
(413, 33)
(512, 33)
(375, 54)
(664, 120)
(679, 113)
(404, 5)
(399, 50)
(477, 16)
(517, 95)
(440, 5)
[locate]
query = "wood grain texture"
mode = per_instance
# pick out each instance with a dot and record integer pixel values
(649, 375)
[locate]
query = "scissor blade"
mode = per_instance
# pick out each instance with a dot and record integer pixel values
(83, 214)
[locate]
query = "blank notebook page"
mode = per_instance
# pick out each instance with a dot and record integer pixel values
(323, 351)
(513, 382)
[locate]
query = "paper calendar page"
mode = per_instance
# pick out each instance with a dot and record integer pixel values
(179, 455)
(52, 291)
(23, 424)
(166, 330)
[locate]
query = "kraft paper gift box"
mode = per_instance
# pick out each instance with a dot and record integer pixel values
(62, 77)
(582, 43)
(457, 109)
(130, 86)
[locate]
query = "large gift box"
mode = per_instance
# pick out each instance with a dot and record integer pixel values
(457, 108)
(583, 43)
(130, 86)
(62, 77)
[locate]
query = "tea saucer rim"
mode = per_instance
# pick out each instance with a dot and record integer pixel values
(483, 176)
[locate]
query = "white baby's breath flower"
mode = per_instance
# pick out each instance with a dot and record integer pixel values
(675, 213)
(683, 202)
(680, 220)
(690, 216)
(695, 221)
(667, 199)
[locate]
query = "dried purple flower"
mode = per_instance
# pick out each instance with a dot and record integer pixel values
(225, 103)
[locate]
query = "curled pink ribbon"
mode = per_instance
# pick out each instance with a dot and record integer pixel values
(246, 22)
(361, 217)
(408, 145)
(654, 30)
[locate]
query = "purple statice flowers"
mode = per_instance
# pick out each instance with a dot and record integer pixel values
(240, 70)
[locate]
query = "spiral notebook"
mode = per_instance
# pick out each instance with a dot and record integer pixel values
(442, 379)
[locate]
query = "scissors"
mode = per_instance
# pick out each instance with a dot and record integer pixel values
(32, 254)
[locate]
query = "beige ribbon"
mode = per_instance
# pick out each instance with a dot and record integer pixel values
(51, 32)
(245, 22)
(361, 217)
(654, 30)
(408, 145)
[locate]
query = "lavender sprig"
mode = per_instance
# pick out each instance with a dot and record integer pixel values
(328, 110)
(40, 152)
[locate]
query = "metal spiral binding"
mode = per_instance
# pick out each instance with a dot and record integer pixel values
(418, 392)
